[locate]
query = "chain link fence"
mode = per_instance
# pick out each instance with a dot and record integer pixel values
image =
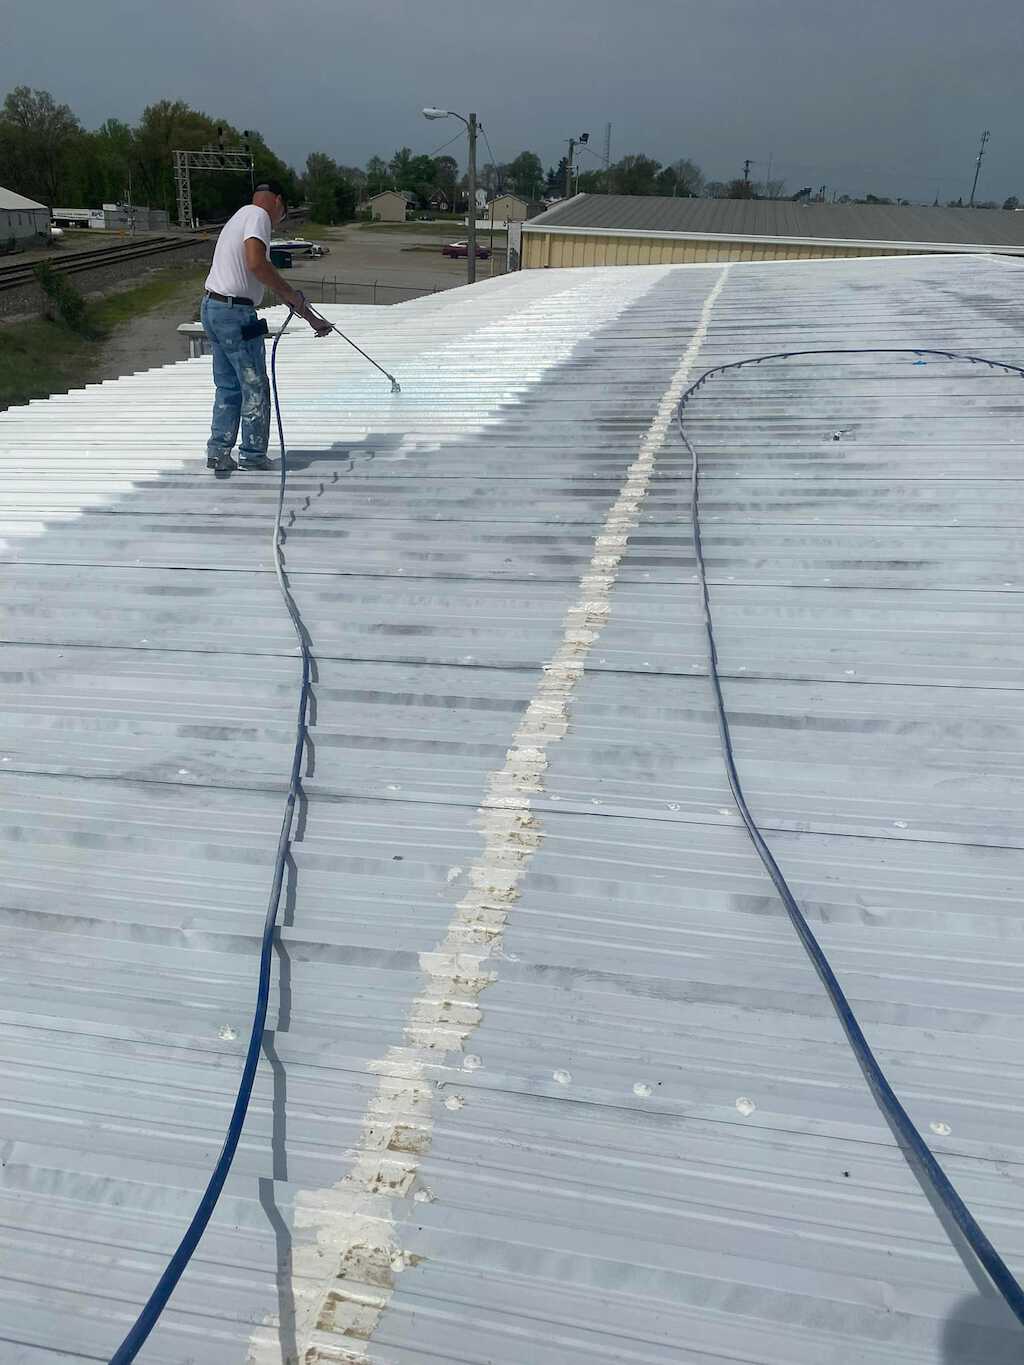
(330, 289)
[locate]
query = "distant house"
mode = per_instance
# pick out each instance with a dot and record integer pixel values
(622, 229)
(508, 208)
(390, 206)
(23, 222)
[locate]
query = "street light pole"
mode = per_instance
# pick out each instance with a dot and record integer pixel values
(471, 220)
(471, 128)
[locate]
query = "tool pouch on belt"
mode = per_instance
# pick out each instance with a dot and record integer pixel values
(251, 330)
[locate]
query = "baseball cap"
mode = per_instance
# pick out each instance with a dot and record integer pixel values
(272, 187)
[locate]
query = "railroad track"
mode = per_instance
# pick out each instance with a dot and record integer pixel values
(12, 276)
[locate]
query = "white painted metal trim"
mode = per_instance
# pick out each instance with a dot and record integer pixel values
(535, 225)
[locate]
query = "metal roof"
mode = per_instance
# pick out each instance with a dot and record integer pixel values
(10, 200)
(549, 1079)
(978, 228)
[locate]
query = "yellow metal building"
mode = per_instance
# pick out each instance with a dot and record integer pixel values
(619, 229)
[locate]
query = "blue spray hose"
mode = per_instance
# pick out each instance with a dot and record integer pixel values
(897, 1117)
(168, 1281)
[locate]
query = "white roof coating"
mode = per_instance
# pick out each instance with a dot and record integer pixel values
(548, 1079)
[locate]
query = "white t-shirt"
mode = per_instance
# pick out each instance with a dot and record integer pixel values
(229, 273)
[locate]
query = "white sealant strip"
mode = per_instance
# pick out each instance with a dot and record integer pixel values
(344, 1275)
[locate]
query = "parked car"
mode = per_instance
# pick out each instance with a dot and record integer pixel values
(454, 249)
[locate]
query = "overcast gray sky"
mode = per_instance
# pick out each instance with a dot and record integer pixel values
(887, 97)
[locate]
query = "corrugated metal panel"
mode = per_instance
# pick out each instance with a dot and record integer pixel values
(778, 218)
(566, 247)
(548, 1077)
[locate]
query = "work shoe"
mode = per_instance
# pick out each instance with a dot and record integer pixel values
(221, 463)
(255, 462)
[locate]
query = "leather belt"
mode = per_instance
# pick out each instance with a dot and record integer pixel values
(227, 298)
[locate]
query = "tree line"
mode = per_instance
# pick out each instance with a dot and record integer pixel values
(46, 154)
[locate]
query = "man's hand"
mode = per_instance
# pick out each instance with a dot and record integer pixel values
(319, 325)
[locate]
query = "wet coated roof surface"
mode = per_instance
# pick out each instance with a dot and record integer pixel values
(782, 218)
(548, 1078)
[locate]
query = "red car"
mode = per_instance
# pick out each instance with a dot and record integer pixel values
(462, 249)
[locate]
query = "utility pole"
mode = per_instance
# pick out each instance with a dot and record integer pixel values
(746, 170)
(471, 126)
(977, 165)
(607, 158)
(583, 139)
(432, 112)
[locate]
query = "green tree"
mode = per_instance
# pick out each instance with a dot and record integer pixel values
(104, 164)
(447, 176)
(267, 165)
(346, 197)
(332, 194)
(422, 169)
(116, 157)
(320, 183)
(526, 174)
(378, 175)
(635, 175)
(38, 139)
(1012, 203)
(166, 127)
(492, 177)
(683, 179)
(739, 189)
(172, 125)
(591, 182)
(399, 167)
(555, 182)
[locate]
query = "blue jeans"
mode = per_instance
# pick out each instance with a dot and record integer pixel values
(240, 374)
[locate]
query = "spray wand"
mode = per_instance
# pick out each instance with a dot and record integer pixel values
(310, 313)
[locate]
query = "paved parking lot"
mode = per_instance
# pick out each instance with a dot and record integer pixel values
(366, 266)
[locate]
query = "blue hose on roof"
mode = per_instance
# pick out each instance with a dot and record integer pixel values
(891, 1107)
(903, 1127)
(168, 1281)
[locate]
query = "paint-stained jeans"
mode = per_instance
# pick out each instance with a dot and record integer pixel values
(240, 374)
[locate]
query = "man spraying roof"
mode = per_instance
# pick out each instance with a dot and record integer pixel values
(234, 289)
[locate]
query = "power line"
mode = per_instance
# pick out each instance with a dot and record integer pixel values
(460, 133)
(490, 149)
(977, 168)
